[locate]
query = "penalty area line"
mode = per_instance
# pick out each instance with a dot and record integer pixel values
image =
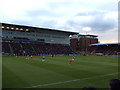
(56, 83)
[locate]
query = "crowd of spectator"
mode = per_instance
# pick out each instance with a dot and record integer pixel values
(105, 49)
(114, 84)
(35, 48)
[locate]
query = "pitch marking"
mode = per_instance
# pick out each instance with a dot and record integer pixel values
(49, 84)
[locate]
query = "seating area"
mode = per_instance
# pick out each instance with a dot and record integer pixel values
(105, 49)
(5, 47)
(20, 49)
(37, 48)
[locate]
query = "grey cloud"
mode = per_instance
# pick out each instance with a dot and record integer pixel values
(44, 24)
(41, 13)
(22, 22)
(91, 13)
(49, 24)
(50, 9)
(44, 17)
(102, 25)
(98, 22)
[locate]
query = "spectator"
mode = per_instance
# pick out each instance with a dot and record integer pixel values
(114, 84)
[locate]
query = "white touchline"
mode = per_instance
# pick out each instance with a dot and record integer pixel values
(49, 84)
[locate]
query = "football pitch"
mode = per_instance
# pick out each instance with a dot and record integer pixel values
(56, 72)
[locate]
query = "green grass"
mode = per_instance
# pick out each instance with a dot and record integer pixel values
(18, 72)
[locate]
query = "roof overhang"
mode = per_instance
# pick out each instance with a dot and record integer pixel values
(104, 44)
(36, 28)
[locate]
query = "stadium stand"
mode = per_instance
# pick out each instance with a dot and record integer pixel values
(110, 49)
(36, 49)
(26, 40)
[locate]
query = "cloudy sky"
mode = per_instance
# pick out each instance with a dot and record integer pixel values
(97, 17)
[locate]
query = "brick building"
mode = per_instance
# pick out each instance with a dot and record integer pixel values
(81, 42)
